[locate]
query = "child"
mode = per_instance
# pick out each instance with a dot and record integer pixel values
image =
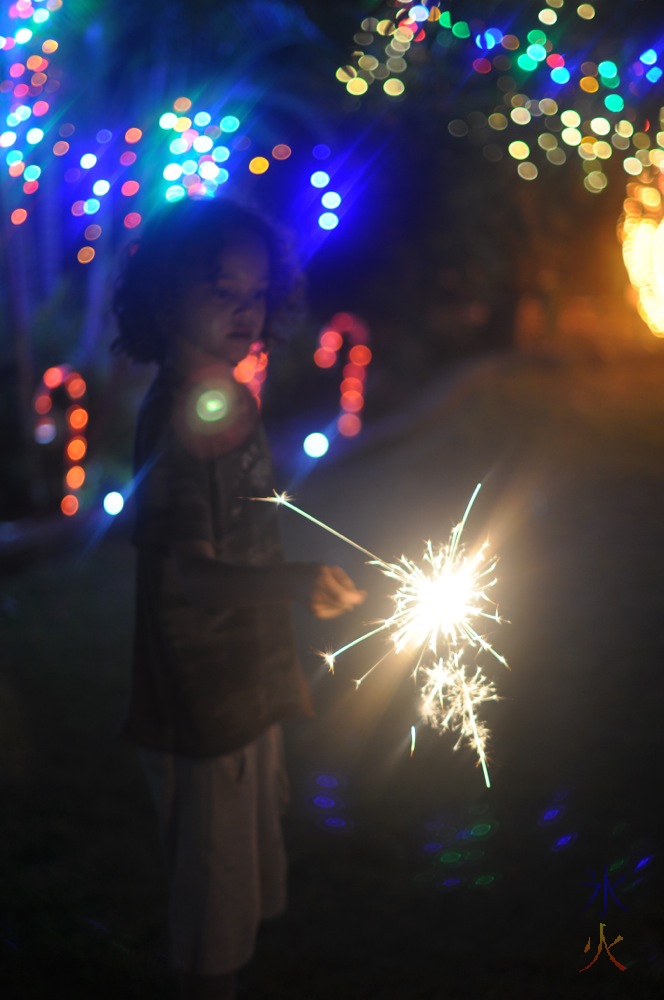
(214, 661)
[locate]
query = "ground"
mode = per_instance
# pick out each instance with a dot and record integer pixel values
(422, 883)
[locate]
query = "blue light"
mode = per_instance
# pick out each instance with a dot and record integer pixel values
(32, 173)
(654, 74)
(560, 75)
(320, 179)
(88, 160)
(328, 220)
(321, 151)
(113, 503)
(91, 206)
(643, 862)
(104, 135)
(331, 199)
(324, 802)
(101, 188)
(175, 192)
(315, 445)
(486, 40)
(649, 57)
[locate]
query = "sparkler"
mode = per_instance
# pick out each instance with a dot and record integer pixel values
(439, 607)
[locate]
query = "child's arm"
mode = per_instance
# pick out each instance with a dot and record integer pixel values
(326, 590)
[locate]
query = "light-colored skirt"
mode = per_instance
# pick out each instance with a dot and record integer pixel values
(220, 827)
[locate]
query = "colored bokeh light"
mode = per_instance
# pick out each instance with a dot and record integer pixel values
(315, 445)
(113, 503)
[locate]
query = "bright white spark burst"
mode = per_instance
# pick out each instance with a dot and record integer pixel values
(439, 607)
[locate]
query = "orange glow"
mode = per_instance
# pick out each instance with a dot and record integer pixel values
(85, 255)
(75, 477)
(331, 339)
(60, 148)
(352, 385)
(53, 377)
(355, 371)
(352, 402)
(43, 403)
(324, 358)
(133, 135)
(69, 505)
(76, 386)
(78, 417)
(76, 449)
(261, 361)
(181, 104)
(18, 216)
(245, 370)
(349, 424)
(360, 355)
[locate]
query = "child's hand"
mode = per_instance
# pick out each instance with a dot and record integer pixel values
(333, 593)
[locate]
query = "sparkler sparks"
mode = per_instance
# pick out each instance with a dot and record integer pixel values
(439, 607)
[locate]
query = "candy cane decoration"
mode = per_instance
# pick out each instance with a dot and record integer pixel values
(354, 372)
(76, 417)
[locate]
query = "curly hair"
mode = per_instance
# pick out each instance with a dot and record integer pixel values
(180, 243)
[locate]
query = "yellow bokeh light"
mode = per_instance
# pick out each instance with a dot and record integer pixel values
(527, 171)
(600, 126)
(589, 84)
(595, 181)
(603, 150)
(548, 106)
(641, 230)
(520, 115)
(632, 166)
(519, 150)
(182, 124)
(346, 73)
(498, 121)
(571, 136)
(385, 27)
(547, 16)
(357, 86)
(258, 165)
(570, 118)
(393, 87)
(586, 11)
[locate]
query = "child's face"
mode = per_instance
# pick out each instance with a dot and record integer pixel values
(224, 316)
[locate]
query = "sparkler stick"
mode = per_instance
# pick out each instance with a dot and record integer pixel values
(437, 607)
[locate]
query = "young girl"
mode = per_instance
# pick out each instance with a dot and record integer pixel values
(214, 662)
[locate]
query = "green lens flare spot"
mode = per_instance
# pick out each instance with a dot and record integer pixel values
(480, 830)
(212, 405)
(484, 881)
(450, 858)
